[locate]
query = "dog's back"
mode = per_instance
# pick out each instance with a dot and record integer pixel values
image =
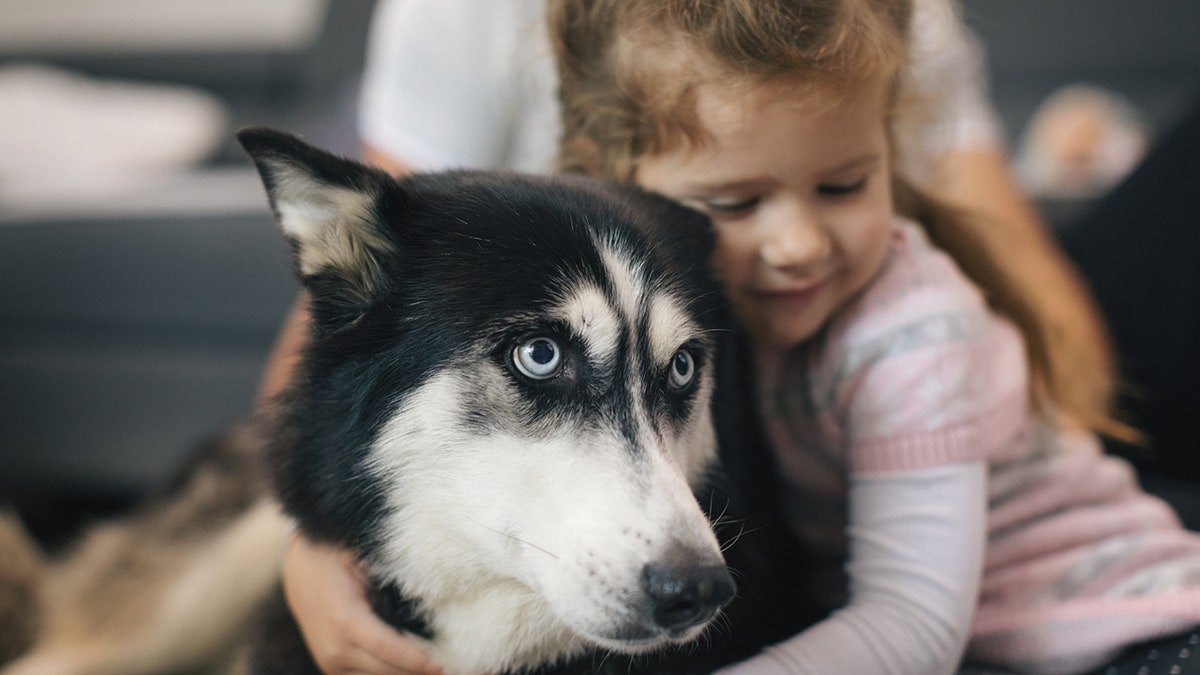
(20, 574)
(169, 588)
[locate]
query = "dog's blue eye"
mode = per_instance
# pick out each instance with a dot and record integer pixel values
(683, 369)
(538, 359)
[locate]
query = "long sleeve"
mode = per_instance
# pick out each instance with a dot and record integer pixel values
(916, 543)
(948, 106)
(461, 84)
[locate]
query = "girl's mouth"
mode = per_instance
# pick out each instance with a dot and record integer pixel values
(793, 296)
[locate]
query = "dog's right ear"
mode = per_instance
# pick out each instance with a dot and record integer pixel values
(325, 206)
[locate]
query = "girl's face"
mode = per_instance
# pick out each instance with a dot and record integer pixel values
(800, 195)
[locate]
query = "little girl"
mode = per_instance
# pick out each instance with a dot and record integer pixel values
(933, 448)
(931, 452)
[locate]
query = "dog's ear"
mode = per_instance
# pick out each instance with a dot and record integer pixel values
(326, 207)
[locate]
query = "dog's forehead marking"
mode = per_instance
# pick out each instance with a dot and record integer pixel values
(627, 279)
(589, 313)
(669, 325)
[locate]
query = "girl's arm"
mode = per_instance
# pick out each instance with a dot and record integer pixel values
(916, 554)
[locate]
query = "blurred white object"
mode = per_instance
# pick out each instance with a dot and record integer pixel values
(1079, 143)
(116, 26)
(64, 135)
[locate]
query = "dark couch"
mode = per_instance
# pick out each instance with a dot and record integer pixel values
(127, 338)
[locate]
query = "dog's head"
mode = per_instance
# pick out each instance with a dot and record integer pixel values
(504, 404)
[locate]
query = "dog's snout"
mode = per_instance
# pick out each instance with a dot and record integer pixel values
(686, 596)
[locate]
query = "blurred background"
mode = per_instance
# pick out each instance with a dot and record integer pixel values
(141, 278)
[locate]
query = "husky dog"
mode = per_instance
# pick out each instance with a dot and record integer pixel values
(521, 405)
(505, 407)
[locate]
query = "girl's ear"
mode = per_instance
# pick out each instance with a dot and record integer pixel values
(326, 207)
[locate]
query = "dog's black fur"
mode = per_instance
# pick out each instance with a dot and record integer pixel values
(362, 357)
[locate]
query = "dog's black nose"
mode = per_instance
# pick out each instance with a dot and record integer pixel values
(683, 597)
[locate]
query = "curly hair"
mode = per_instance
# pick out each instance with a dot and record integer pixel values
(629, 69)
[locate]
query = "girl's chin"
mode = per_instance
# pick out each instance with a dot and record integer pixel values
(781, 337)
(782, 332)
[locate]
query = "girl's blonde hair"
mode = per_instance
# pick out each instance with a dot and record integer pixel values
(629, 71)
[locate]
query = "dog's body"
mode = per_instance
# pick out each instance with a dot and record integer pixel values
(507, 408)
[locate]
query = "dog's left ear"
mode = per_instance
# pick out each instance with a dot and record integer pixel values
(325, 206)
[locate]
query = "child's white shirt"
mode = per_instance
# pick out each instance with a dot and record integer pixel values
(452, 84)
(915, 553)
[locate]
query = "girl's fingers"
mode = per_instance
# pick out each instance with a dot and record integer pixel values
(394, 649)
(326, 591)
(362, 662)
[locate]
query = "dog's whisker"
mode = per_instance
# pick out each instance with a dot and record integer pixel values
(742, 531)
(737, 574)
(716, 331)
(603, 659)
(515, 538)
(727, 544)
(720, 519)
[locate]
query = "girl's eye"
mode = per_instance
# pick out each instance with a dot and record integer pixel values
(539, 358)
(727, 207)
(841, 189)
(683, 369)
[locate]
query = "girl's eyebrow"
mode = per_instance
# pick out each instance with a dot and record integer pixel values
(857, 163)
(703, 186)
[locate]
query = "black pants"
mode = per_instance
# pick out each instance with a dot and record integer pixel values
(1139, 248)
(1178, 655)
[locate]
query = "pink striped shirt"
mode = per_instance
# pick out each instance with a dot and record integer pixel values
(917, 373)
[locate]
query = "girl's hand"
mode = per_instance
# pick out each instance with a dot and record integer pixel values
(326, 593)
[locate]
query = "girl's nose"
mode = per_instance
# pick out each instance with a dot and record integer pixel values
(794, 237)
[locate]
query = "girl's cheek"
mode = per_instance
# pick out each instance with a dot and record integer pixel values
(734, 255)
